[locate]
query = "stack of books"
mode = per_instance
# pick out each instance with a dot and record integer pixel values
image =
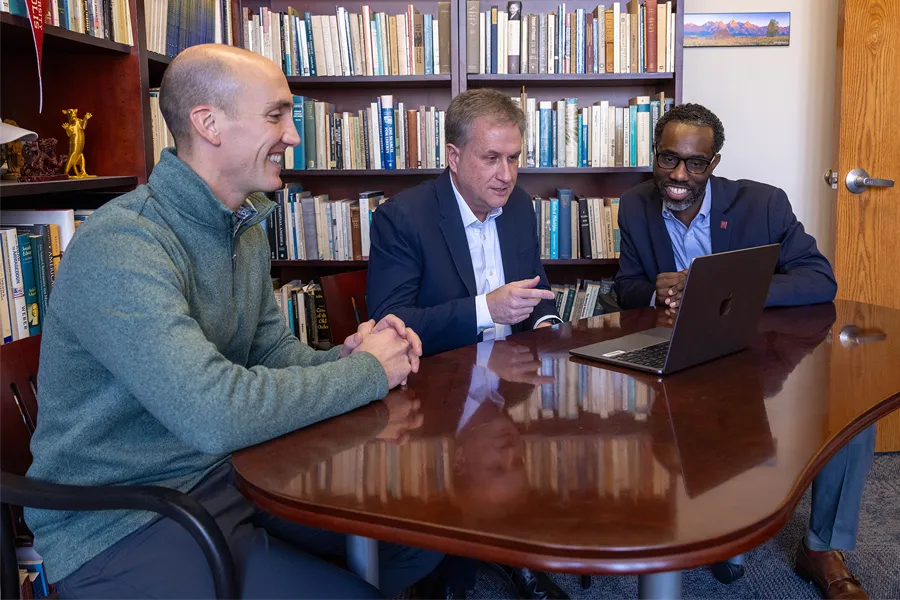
(352, 44)
(633, 37)
(560, 134)
(104, 19)
(571, 227)
(307, 227)
(173, 25)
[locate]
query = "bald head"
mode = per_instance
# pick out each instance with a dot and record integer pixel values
(205, 75)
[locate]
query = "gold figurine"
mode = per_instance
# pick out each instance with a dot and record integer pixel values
(75, 130)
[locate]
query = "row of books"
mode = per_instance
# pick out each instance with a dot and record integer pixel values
(105, 19)
(584, 299)
(571, 227)
(345, 43)
(162, 137)
(638, 39)
(173, 25)
(384, 135)
(32, 243)
(560, 134)
(303, 307)
(579, 388)
(307, 227)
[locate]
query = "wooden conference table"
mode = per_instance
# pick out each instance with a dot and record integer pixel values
(527, 456)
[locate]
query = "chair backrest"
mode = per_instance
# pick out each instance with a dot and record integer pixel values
(345, 303)
(18, 403)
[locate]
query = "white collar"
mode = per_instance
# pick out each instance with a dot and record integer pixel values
(468, 217)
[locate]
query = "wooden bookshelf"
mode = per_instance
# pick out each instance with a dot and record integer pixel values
(305, 173)
(112, 81)
(568, 80)
(159, 59)
(10, 189)
(376, 83)
(354, 264)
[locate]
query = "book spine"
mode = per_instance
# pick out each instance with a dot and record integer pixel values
(473, 46)
(29, 284)
(5, 323)
(19, 314)
(584, 228)
(546, 117)
(310, 47)
(428, 38)
(554, 228)
(387, 118)
(565, 223)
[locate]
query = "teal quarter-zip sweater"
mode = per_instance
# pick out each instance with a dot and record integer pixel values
(164, 351)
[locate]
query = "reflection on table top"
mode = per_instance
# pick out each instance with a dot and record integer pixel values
(530, 456)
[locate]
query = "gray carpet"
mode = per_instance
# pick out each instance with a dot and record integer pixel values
(769, 568)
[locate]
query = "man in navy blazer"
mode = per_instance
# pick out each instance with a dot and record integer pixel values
(686, 212)
(457, 258)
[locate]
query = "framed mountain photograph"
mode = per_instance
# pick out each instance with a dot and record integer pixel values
(737, 29)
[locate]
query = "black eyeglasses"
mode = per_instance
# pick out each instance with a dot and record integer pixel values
(694, 165)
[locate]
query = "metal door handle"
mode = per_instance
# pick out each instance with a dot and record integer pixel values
(858, 181)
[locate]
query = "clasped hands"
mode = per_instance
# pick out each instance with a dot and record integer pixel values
(396, 346)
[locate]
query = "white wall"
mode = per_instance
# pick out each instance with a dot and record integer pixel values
(777, 105)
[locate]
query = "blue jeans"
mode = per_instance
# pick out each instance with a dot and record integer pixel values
(274, 558)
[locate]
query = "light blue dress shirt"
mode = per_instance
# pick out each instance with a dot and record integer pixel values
(689, 242)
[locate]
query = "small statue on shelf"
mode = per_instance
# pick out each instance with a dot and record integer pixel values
(75, 130)
(11, 138)
(41, 161)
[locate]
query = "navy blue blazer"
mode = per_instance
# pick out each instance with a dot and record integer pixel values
(744, 214)
(420, 268)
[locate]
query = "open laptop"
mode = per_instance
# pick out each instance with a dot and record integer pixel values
(723, 298)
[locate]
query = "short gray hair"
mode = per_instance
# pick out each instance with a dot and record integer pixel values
(466, 107)
(198, 76)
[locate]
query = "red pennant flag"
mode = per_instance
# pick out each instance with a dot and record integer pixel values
(36, 17)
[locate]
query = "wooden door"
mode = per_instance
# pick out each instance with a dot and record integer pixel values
(867, 244)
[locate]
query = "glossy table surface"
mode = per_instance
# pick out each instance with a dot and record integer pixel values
(522, 454)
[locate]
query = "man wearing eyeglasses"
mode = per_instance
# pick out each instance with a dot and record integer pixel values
(686, 212)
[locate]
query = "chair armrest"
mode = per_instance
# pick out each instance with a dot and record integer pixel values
(187, 512)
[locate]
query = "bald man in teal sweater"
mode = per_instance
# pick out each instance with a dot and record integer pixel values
(164, 352)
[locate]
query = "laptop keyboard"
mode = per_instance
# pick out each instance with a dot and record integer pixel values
(653, 356)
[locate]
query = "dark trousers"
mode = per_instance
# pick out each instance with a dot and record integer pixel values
(274, 558)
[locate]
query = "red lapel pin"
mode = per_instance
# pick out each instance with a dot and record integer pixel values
(723, 225)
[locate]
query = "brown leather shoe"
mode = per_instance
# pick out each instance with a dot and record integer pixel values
(828, 571)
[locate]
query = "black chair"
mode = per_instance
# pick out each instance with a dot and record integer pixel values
(18, 415)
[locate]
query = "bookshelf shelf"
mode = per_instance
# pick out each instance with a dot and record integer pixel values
(362, 264)
(10, 189)
(294, 174)
(568, 80)
(17, 30)
(581, 262)
(326, 264)
(582, 170)
(160, 59)
(366, 82)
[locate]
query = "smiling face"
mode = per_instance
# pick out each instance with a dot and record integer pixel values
(254, 138)
(486, 167)
(679, 188)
